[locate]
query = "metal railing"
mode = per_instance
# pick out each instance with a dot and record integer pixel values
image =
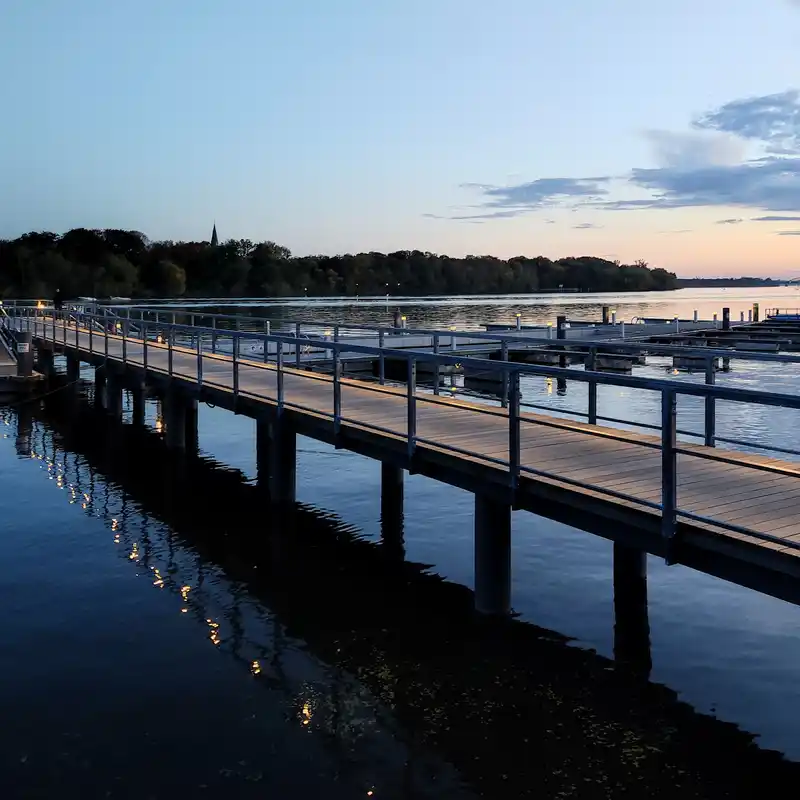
(706, 357)
(150, 340)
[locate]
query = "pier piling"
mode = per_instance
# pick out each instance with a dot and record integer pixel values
(631, 621)
(492, 556)
(392, 487)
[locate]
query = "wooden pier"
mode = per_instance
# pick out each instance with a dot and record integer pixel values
(725, 512)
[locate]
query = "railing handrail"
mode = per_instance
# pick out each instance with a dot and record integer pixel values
(512, 336)
(753, 396)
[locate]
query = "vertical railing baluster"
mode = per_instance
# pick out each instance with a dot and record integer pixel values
(381, 359)
(337, 391)
(170, 334)
(513, 424)
(91, 330)
(297, 345)
(266, 348)
(199, 361)
(235, 366)
(710, 420)
(411, 403)
(124, 341)
(144, 346)
(279, 376)
(105, 331)
(436, 376)
(669, 462)
(506, 387)
(592, 364)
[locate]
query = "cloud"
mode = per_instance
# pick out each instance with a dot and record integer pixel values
(677, 233)
(541, 193)
(729, 221)
(744, 154)
(492, 215)
(777, 219)
(587, 226)
(688, 151)
(773, 119)
(789, 233)
(552, 221)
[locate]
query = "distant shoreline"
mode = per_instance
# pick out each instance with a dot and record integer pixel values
(696, 283)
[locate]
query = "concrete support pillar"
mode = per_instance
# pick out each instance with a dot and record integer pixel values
(113, 404)
(175, 420)
(138, 396)
(392, 511)
(631, 622)
(276, 460)
(24, 354)
(492, 556)
(45, 361)
(191, 432)
(100, 387)
(73, 368)
(284, 478)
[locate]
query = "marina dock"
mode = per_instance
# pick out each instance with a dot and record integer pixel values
(725, 512)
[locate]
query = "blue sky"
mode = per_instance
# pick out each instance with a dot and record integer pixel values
(618, 128)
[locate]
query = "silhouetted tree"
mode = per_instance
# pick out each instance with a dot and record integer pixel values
(116, 262)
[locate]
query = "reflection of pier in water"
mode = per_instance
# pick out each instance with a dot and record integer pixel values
(315, 613)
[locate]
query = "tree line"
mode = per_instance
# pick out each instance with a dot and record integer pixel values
(118, 263)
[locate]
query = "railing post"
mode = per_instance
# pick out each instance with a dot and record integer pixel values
(235, 366)
(436, 366)
(335, 333)
(710, 403)
(337, 391)
(513, 425)
(199, 362)
(412, 406)
(279, 377)
(77, 335)
(592, 364)
(144, 345)
(105, 331)
(297, 345)
(124, 342)
(504, 357)
(266, 348)
(213, 334)
(170, 333)
(381, 359)
(669, 463)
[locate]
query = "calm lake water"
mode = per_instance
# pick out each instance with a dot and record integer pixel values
(164, 633)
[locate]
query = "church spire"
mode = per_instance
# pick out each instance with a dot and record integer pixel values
(214, 239)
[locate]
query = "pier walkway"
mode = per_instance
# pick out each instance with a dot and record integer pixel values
(726, 512)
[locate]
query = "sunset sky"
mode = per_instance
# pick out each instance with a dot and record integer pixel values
(626, 129)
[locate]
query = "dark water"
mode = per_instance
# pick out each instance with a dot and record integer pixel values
(165, 633)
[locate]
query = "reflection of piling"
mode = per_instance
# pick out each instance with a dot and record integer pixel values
(631, 622)
(24, 429)
(492, 556)
(392, 522)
